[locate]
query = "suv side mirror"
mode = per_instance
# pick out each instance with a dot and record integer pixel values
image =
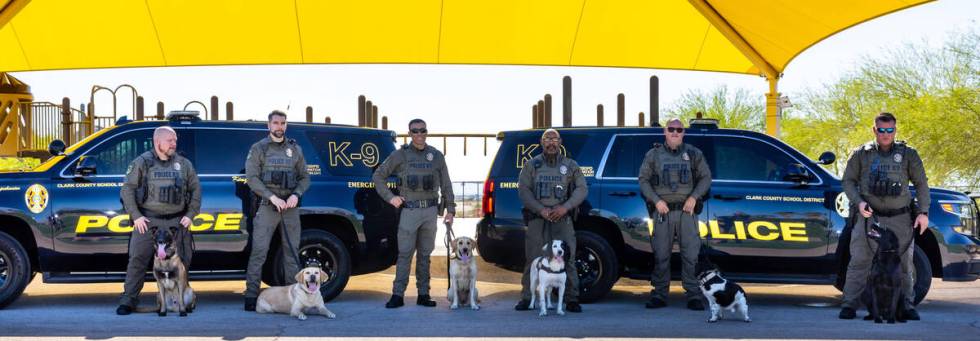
(85, 167)
(795, 172)
(56, 147)
(827, 158)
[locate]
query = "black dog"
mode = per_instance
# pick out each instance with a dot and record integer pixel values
(883, 293)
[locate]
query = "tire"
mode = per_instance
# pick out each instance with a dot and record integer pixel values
(922, 274)
(332, 254)
(597, 265)
(15, 269)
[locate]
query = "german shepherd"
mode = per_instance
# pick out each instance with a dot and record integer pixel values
(171, 275)
(883, 294)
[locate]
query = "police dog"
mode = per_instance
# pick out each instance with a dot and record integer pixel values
(462, 274)
(883, 293)
(170, 275)
(721, 293)
(295, 299)
(547, 272)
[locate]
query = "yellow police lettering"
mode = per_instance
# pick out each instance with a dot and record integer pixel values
(739, 230)
(86, 222)
(754, 230)
(716, 232)
(228, 222)
(206, 220)
(116, 224)
(794, 232)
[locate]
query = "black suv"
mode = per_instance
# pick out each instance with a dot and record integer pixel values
(772, 215)
(65, 220)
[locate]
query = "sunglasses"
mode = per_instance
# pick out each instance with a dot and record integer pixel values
(885, 130)
(675, 130)
(419, 131)
(551, 139)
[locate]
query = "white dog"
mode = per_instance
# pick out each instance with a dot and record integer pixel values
(297, 298)
(721, 293)
(547, 272)
(462, 274)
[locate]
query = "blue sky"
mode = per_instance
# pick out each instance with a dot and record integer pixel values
(484, 99)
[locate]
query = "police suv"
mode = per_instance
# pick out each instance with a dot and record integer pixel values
(772, 215)
(65, 220)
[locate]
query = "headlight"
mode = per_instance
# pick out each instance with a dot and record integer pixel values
(964, 211)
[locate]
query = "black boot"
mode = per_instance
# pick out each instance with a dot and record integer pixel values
(655, 303)
(124, 310)
(523, 305)
(425, 301)
(911, 315)
(250, 303)
(395, 302)
(573, 307)
(847, 314)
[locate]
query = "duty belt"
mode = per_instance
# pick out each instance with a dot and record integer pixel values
(420, 203)
(152, 215)
(891, 213)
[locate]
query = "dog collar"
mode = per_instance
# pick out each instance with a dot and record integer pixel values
(548, 270)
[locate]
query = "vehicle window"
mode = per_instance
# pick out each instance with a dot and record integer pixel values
(739, 158)
(114, 155)
(622, 161)
(223, 151)
(350, 154)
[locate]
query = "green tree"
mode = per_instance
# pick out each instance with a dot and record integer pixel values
(739, 109)
(934, 92)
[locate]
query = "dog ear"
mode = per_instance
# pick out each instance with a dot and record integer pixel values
(173, 229)
(453, 246)
(153, 230)
(299, 276)
(323, 276)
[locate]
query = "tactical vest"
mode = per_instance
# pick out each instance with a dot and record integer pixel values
(419, 173)
(279, 169)
(674, 178)
(885, 175)
(163, 186)
(552, 183)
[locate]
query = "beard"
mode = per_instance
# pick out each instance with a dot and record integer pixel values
(278, 133)
(550, 153)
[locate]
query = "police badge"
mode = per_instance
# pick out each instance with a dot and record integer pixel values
(685, 157)
(177, 166)
(428, 156)
(289, 152)
(898, 157)
(563, 170)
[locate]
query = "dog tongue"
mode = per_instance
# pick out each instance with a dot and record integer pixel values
(161, 253)
(465, 258)
(312, 286)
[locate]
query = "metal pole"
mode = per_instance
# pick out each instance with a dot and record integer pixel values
(566, 101)
(621, 110)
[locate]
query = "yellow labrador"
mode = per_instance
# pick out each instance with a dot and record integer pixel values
(297, 298)
(462, 274)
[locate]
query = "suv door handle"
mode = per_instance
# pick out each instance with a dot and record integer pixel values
(727, 197)
(623, 194)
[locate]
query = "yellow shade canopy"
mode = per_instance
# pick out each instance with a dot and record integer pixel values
(738, 36)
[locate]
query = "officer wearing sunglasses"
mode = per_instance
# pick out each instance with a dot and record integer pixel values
(423, 180)
(876, 178)
(674, 179)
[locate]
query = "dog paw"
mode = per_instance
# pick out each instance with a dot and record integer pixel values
(712, 320)
(747, 320)
(331, 315)
(476, 307)
(301, 317)
(561, 312)
(454, 306)
(162, 313)
(183, 314)
(879, 321)
(543, 313)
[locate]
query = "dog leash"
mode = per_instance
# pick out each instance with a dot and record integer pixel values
(292, 250)
(448, 240)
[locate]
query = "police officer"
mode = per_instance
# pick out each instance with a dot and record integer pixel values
(276, 172)
(161, 191)
(674, 178)
(423, 178)
(877, 177)
(551, 187)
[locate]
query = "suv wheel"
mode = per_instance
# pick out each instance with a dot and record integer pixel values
(15, 269)
(327, 249)
(597, 265)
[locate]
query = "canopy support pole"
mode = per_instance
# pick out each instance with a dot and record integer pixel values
(773, 114)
